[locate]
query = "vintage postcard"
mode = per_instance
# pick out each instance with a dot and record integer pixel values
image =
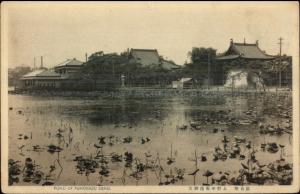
(149, 97)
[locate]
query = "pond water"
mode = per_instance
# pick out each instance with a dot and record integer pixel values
(158, 119)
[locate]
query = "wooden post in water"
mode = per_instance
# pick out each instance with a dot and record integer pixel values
(232, 84)
(171, 151)
(196, 164)
(279, 68)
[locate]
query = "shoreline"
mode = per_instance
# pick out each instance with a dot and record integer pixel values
(152, 92)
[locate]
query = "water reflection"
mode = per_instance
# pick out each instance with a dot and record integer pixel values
(127, 111)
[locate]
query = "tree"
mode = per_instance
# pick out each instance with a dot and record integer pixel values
(203, 64)
(108, 68)
(201, 55)
(103, 69)
(125, 53)
(95, 55)
(16, 73)
(282, 65)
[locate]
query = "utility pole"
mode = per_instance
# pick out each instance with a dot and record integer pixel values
(279, 69)
(41, 62)
(208, 69)
(34, 67)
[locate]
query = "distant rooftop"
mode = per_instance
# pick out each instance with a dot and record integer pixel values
(145, 57)
(169, 65)
(150, 57)
(70, 62)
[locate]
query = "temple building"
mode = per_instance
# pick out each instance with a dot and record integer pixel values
(232, 61)
(150, 58)
(244, 51)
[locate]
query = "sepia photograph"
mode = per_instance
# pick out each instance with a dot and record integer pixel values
(155, 97)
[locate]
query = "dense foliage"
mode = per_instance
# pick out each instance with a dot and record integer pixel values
(202, 55)
(16, 73)
(105, 71)
(203, 66)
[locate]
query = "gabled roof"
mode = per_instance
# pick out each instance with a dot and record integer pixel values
(250, 51)
(244, 50)
(145, 57)
(150, 58)
(70, 62)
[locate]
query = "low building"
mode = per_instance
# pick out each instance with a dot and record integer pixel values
(40, 79)
(237, 56)
(183, 83)
(52, 78)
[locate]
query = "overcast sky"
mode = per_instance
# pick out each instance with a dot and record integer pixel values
(59, 31)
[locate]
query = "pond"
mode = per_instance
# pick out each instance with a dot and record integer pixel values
(156, 131)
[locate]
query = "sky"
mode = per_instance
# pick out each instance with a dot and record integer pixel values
(63, 30)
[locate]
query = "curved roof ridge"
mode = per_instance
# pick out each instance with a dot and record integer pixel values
(244, 50)
(245, 44)
(265, 52)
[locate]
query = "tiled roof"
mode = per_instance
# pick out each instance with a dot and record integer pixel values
(150, 57)
(48, 73)
(250, 51)
(227, 57)
(42, 74)
(33, 73)
(145, 57)
(243, 50)
(70, 62)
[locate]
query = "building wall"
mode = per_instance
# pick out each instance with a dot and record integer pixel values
(39, 84)
(66, 70)
(242, 79)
